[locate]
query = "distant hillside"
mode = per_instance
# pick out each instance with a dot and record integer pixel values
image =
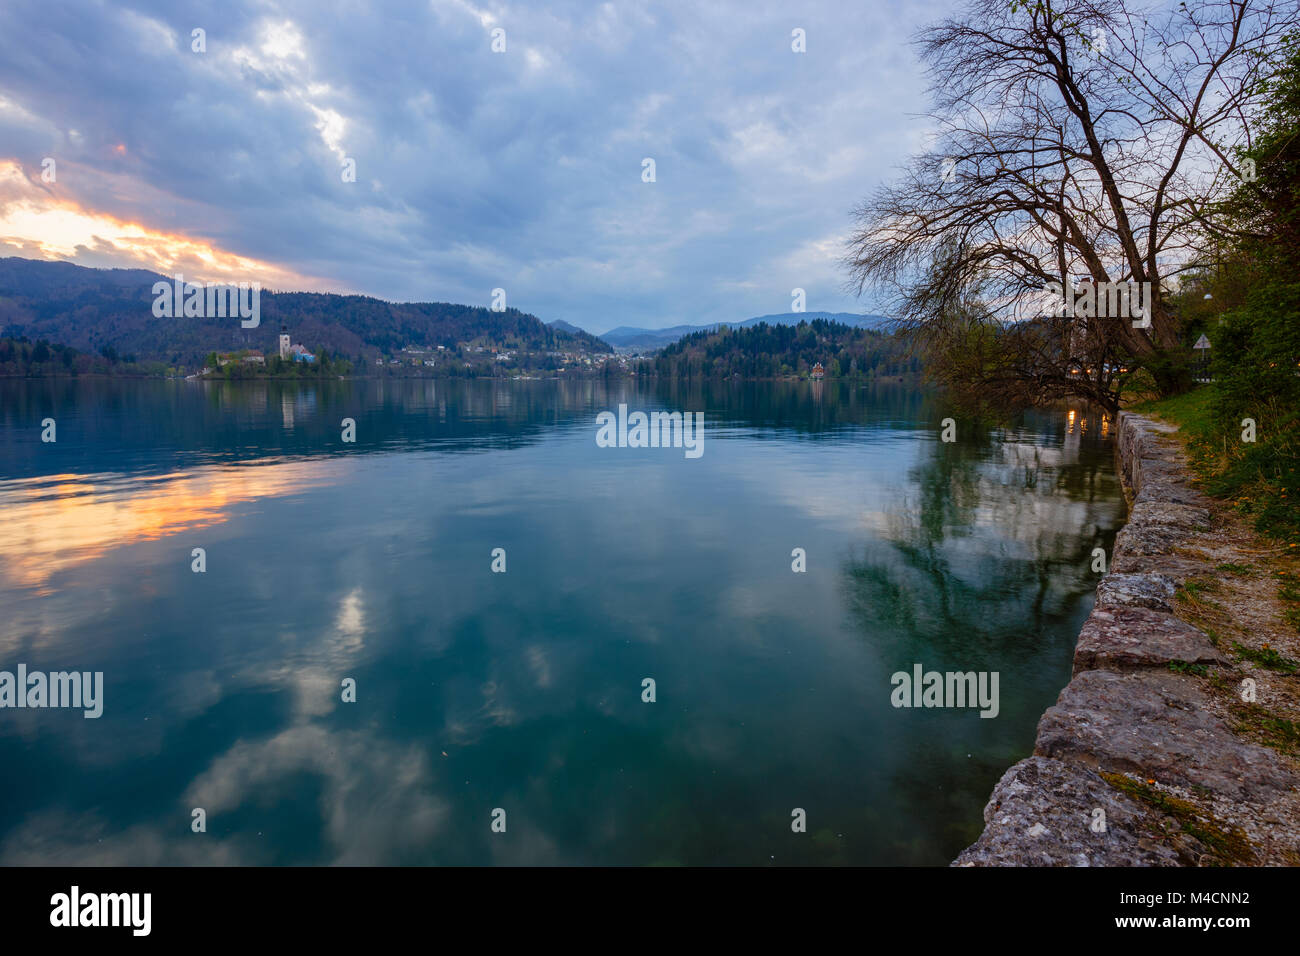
(777, 351)
(95, 309)
(626, 338)
(566, 327)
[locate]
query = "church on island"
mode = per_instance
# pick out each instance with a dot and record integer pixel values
(294, 351)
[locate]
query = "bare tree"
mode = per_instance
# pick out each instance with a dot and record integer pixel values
(1075, 139)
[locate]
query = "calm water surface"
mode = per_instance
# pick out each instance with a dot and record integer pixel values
(523, 690)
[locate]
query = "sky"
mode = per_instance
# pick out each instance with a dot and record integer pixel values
(475, 169)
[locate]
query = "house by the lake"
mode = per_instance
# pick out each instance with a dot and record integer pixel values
(248, 356)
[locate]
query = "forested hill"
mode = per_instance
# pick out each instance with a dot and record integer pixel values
(96, 309)
(775, 351)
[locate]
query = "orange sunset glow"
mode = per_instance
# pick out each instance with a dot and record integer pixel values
(58, 522)
(39, 220)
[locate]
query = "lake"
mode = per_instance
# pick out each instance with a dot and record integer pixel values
(371, 562)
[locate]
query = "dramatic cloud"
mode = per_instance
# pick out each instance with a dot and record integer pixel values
(474, 169)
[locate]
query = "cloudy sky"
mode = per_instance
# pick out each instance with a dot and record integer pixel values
(475, 169)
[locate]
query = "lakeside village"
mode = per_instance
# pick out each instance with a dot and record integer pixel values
(466, 359)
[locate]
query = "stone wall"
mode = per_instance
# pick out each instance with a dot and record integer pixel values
(1126, 711)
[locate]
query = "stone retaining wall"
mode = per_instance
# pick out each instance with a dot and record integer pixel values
(1126, 711)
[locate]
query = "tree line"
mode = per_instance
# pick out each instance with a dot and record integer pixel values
(22, 357)
(782, 351)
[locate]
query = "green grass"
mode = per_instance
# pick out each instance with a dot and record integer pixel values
(1187, 667)
(1228, 846)
(1276, 732)
(1238, 569)
(1267, 658)
(1261, 479)
(1289, 593)
(1190, 411)
(1193, 593)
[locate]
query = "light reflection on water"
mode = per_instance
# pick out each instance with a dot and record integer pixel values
(523, 690)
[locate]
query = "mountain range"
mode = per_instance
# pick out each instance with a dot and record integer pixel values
(94, 310)
(97, 309)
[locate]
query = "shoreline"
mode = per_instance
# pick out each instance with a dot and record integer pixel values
(1147, 758)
